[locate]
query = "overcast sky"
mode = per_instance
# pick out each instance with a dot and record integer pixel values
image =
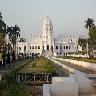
(67, 16)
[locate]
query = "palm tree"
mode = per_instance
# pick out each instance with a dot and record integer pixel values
(14, 33)
(82, 42)
(89, 23)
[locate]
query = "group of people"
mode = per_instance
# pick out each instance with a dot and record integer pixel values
(6, 58)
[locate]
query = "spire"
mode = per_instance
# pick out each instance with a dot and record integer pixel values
(47, 25)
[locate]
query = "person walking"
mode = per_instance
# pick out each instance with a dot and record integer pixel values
(13, 56)
(8, 59)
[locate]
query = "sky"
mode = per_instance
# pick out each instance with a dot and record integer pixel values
(67, 16)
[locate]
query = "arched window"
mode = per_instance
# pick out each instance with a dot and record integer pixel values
(35, 47)
(24, 48)
(38, 47)
(66, 47)
(69, 47)
(19, 48)
(56, 47)
(30, 47)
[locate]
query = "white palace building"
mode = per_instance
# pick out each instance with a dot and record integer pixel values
(46, 44)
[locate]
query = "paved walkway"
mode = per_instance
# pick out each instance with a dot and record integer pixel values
(82, 69)
(82, 94)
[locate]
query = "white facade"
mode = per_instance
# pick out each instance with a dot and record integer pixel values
(46, 43)
(22, 47)
(65, 44)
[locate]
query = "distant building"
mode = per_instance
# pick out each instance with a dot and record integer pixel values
(46, 44)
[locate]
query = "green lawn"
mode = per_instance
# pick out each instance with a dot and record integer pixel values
(9, 87)
(86, 60)
(79, 59)
(41, 65)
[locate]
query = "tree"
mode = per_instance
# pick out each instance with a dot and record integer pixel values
(2, 32)
(22, 40)
(0, 16)
(89, 23)
(82, 42)
(92, 39)
(14, 33)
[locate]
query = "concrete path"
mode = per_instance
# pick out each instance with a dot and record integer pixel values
(79, 68)
(64, 66)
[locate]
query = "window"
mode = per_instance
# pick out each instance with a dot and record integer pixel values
(38, 47)
(50, 28)
(77, 47)
(66, 47)
(19, 48)
(64, 54)
(56, 47)
(43, 47)
(32, 47)
(35, 47)
(60, 47)
(69, 47)
(24, 48)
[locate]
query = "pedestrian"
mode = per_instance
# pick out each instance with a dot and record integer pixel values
(8, 59)
(0, 59)
(4, 58)
(13, 56)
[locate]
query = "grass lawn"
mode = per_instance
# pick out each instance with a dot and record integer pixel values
(9, 87)
(79, 59)
(40, 65)
(86, 59)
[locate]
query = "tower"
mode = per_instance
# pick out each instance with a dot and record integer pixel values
(47, 34)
